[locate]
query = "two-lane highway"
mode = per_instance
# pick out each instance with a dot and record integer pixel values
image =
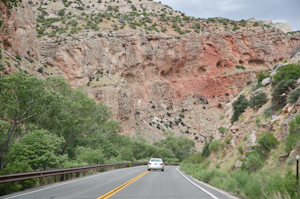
(134, 182)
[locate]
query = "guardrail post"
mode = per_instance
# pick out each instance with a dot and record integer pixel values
(41, 181)
(62, 177)
(47, 180)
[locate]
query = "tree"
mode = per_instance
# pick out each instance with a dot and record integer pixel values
(291, 71)
(257, 101)
(89, 155)
(40, 149)
(283, 86)
(23, 97)
(294, 96)
(239, 106)
(61, 12)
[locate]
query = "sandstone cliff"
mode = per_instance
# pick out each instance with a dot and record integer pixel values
(19, 35)
(165, 70)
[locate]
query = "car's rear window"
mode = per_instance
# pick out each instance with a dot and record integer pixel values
(155, 160)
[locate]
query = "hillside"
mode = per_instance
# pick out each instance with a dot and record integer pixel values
(163, 77)
(152, 80)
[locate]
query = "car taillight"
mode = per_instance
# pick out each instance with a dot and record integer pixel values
(161, 163)
(149, 163)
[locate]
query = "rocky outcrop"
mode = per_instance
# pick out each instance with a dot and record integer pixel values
(284, 27)
(167, 71)
(19, 35)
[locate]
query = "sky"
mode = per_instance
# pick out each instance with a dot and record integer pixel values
(286, 11)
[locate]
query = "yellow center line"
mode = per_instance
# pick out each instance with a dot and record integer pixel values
(109, 194)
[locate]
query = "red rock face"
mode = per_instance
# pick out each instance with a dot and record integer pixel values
(21, 31)
(165, 70)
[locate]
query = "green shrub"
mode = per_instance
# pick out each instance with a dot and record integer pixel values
(283, 86)
(18, 58)
(240, 149)
(265, 143)
(261, 76)
(240, 67)
(257, 101)
(214, 146)
(254, 161)
(222, 129)
(194, 158)
(205, 150)
(294, 136)
(61, 12)
(294, 96)
(17, 167)
(291, 71)
(239, 106)
(269, 111)
(220, 105)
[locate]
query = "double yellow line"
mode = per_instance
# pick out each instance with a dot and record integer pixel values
(109, 194)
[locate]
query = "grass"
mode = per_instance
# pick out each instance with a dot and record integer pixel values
(261, 184)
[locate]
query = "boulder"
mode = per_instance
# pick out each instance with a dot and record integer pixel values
(273, 74)
(298, 81)
(295, 152)
(238, 164)
(255, 92)
(296, 58)
(266, 81)
(235, 129)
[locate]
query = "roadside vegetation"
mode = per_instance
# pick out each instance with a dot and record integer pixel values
(46, 124)
(262, 172)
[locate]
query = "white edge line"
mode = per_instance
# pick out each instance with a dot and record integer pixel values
(210, 194)
(83, 178)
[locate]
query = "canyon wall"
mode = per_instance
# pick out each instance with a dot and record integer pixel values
(144, 76)
(19, 31)
(162, 70)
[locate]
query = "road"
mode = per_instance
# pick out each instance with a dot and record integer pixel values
(134, 182)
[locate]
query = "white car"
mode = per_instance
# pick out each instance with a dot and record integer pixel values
(156, 163)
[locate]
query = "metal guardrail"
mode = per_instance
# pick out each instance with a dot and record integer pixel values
(40, 174)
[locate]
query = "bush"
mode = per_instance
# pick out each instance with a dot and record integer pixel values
(239, 106)
(220, 105)
(99, 35)
(40, 70)
(214, 146)
(205, 150)
(261, 76)
(254, 161)
(269, 111)
(257, 101)
(240, 67)
(291, 71)
(18, 58)
(294, 96)
(283, 86)
(294, 136)
(61, 12)
(222, 129)
(265, 143)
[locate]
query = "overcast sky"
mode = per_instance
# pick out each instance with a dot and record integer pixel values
(287, 11)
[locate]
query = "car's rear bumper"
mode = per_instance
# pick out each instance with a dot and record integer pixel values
(155, 166)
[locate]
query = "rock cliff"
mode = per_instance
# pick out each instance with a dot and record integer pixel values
(165, 70)
(19, 35)
(154, 82)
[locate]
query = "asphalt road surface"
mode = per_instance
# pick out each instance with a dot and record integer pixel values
(132, 183)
